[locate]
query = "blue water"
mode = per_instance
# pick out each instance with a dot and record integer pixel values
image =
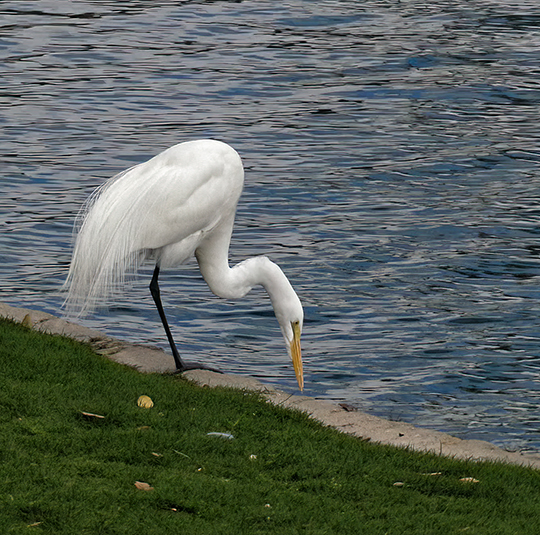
(392, 169)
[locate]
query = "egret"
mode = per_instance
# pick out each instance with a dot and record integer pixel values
(178, 204)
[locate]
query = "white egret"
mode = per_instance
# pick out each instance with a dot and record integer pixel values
(180, 203)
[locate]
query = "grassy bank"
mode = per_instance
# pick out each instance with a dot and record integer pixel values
(64, 472)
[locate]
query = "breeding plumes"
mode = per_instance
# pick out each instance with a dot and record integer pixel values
(180, 203)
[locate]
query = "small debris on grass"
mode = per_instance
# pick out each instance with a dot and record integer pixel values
(141, 485)
(399, 484)
(252, 457)
(92, 416)
(145, 402)
(469, 480)
(228, 436)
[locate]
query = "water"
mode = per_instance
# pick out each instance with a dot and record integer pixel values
(392, 157)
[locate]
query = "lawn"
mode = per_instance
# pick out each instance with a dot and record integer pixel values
(79, 455)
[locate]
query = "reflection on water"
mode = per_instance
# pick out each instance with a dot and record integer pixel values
(392, 163)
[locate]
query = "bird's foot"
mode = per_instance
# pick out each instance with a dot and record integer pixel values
(195, 366)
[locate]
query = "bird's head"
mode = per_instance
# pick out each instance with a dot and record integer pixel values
(291, 320)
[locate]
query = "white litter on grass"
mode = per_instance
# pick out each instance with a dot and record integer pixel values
(222, 435)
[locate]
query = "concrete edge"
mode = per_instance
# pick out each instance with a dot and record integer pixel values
(341, 417)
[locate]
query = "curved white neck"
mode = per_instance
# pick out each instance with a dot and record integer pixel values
(235, 282)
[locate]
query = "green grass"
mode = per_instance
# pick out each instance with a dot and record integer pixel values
(63, 473)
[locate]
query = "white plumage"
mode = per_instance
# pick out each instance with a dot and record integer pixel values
(180, 203)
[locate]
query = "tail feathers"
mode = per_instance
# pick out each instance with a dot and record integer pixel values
(105, 251)
(90, 282)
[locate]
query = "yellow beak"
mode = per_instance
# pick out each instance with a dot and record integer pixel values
(296, 354)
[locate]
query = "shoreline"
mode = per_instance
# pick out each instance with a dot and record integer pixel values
(364, 426)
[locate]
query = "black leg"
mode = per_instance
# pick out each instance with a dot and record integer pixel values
(180, 365)
(154, 290)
